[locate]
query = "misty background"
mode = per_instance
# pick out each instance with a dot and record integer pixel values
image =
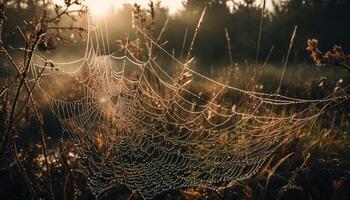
(325, 20)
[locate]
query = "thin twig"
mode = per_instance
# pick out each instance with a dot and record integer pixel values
(41, 129)
(7, 85)
(41, 123)
(66, 11)
(9, 57)
(29, 91)
(27, 62)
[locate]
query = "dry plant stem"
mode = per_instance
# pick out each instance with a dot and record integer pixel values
(173, 61)
(287, 58)
(29, 97)
(6, 137)
(189, 53)
(184, 44)
(22, 75)
(200, 22)
(66, 179)
(22, 82)
(8, 56)
(340, 104)
(267, 59)
(29, 184)
(66, 11)
(271, 172)
(13, 117)
(260, 33)
(295, 174)
(162, 31)
(66, 28)
(151, 12)
(268, 56)
(229, 47)
(41, 129)
(159, 36)
(41, 123)
(8, 84)
(259, 71)
(40, 120)
(43, 141)
(4, 102)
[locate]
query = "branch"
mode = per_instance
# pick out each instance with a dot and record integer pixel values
(8, 130)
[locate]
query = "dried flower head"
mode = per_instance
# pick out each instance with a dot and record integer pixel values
(314, 51)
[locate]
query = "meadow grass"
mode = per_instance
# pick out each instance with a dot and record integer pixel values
(314, 164)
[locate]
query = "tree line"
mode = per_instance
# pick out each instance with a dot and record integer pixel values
(326, 20)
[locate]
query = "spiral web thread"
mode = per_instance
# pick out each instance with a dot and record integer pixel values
(135, 123)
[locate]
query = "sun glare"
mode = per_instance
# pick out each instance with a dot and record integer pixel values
(101, 7)
(98, 7)
(173, 5)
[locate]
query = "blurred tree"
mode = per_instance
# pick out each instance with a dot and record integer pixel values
(244, 25)
(211, 48)
(324, 19)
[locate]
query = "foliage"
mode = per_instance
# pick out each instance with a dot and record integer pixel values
(314, 165)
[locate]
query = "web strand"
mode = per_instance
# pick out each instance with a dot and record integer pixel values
(136, 124)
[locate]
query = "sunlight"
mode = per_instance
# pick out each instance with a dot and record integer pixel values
(173, 5)
(99, 8)
(58, 2)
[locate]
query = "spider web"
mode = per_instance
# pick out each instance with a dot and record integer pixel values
(139, 124)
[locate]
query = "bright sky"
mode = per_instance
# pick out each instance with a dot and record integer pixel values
(100, 7)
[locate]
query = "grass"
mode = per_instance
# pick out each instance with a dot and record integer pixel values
(314, 164)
